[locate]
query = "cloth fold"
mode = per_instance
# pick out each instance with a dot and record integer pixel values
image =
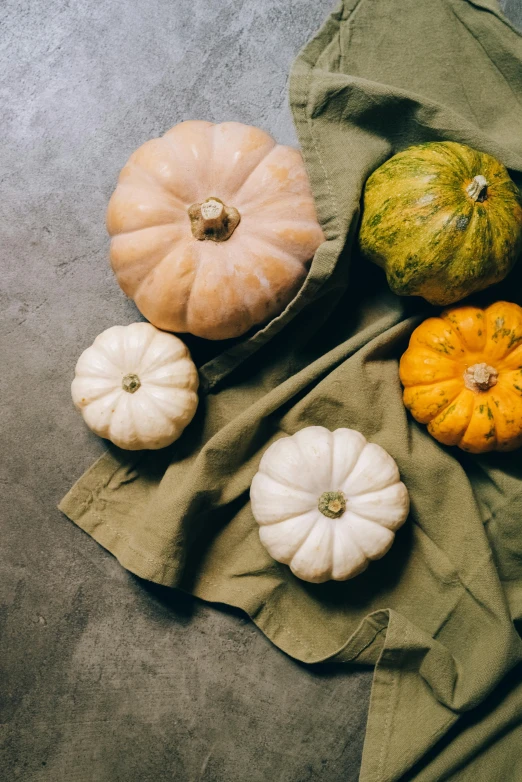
(438, 615)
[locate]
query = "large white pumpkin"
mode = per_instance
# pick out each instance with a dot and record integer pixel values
(327, 502)
(136, 386)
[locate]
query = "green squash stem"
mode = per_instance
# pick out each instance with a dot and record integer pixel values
(478, 188)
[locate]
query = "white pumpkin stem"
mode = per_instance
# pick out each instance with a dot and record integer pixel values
(213, 220)
(478, 188)
(332, 504)
(131, 383)
(480, 377)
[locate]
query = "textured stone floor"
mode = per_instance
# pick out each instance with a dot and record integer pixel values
(105, 678)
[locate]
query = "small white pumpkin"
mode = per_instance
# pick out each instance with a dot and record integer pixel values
(327, 502)
(136, 386)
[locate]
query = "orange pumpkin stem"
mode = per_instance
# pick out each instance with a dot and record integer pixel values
(213, 220)
(480, 377)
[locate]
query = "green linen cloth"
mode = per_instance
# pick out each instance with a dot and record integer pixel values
(437, 616)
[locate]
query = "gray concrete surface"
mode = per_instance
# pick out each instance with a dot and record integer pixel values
(513, 10)
(105, 678)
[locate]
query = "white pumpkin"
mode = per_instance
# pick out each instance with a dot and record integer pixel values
(327, 502)
(136, 386)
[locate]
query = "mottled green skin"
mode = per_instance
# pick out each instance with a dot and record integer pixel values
(428, 234)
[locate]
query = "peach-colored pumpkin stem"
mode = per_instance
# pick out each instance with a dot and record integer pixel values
(213, 220)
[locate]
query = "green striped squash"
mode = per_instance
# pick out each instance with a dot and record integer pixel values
(443, 220)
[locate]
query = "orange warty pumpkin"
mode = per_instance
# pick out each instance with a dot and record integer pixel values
(462, 375)
(213, 228)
